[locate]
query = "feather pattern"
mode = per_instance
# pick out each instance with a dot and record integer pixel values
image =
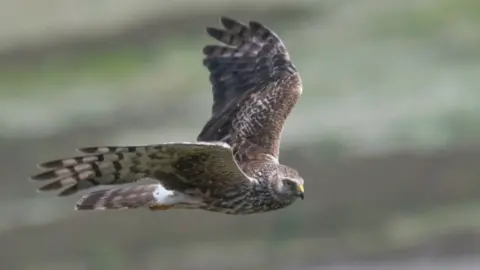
(233, 166)
(177, 164)
(254, 85)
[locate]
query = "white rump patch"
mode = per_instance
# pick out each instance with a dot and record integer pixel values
(163, 196)
(168, 197)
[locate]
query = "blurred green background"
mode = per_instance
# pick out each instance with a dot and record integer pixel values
(387, 133)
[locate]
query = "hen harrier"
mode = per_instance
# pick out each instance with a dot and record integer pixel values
(233, 167)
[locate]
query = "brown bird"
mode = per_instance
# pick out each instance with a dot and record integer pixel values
(233, 166)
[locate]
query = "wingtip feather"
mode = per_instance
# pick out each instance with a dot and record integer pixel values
(88, 149)
(43, 176)
(214, 32)
(228, 22)
(50, 164)
(56, 185)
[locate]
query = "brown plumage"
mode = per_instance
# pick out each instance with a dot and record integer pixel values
(233, 167)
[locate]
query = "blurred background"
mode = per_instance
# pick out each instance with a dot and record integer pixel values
(387, 133)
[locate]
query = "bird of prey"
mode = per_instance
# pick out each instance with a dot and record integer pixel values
(233, 166)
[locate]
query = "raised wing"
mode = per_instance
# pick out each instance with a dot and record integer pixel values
(175, 165)
(254, 85)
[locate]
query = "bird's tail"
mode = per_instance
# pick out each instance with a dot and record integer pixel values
(153, 196)
(100, 166)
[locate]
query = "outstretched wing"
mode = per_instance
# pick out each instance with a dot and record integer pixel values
(254, 85)
(178, 166)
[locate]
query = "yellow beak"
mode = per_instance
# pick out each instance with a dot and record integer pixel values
(300, 191)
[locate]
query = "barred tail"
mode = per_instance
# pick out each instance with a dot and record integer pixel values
(100, 166)
(153, 196)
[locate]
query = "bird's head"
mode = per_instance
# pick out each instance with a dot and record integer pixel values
(291, 184)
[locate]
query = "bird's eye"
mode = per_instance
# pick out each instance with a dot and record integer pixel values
(288, 182)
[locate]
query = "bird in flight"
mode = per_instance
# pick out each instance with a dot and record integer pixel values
(233, 166)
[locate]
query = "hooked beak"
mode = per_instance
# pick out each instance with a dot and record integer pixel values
(300, 191)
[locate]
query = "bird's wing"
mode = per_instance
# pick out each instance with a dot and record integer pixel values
(254, 85)
(178, 166)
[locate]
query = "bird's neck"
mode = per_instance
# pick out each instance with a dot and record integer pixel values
(268, 193)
